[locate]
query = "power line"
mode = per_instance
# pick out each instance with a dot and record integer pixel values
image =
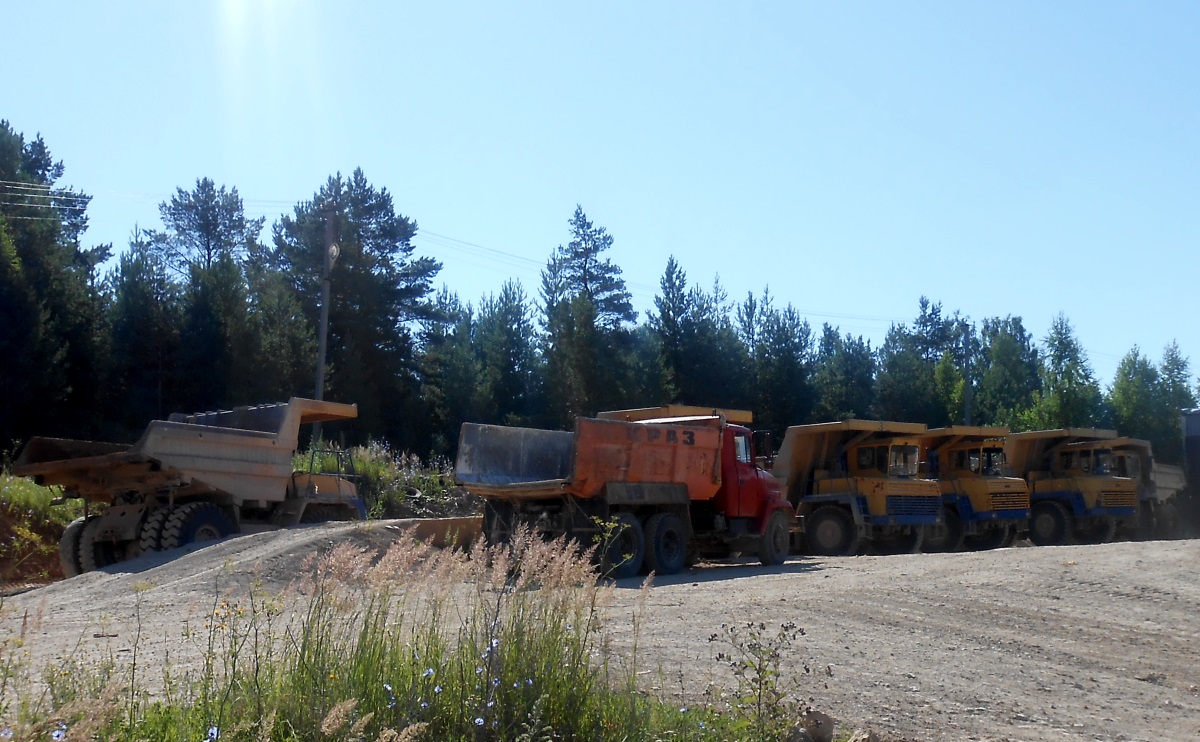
(32, 218)
(29, 186)
(43, 206)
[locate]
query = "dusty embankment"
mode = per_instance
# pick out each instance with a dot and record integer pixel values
(1088, 642)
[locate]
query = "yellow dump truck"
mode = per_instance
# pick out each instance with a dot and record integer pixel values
(856, 484)
(1158, 486)
(983, 507)
(190, 478)
(668, 481)
(1076, 492)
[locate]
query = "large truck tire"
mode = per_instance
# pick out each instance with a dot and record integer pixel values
(150, 539)
(498, 521)
(1050, 524)
(626, 548)
(1099, 531)
(95, 553)
(68, 547)
(1167, 523)
(776, 539)
(830, 531)
(992, 538)
(195, 522)
(666, 543)
(949, 538)
(327, 512)
(908, 542)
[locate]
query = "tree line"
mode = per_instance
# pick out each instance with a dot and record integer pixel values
(214, 310)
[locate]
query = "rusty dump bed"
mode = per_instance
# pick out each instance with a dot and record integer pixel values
(245, 453)
(525, 463)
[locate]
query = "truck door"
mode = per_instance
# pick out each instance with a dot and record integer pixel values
(749, 495)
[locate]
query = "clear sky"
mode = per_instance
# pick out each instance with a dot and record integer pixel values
(1012, 157)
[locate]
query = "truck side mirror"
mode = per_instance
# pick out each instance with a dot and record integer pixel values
(764, 456)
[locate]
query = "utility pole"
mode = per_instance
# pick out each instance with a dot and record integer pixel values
(967, 373)
(330, 256)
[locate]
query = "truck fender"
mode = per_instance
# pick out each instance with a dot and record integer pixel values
(760, 523)
(123, 522)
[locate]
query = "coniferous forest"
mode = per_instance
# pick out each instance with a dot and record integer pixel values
(213, 310)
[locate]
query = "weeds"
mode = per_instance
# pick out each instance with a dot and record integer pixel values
(414, 643)
(395, 484)
(754, 655)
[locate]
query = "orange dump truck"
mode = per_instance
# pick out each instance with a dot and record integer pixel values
(654, 485)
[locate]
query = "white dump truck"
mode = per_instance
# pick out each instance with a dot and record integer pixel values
(190, 478)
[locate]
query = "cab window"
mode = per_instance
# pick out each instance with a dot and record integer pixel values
(1133, 467)
(960, 460)
(743, 449)
(866, 458)
(881, 458)
(994, 461)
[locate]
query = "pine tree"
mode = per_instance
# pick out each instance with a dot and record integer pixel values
(53, 306)
(146, 317)
(380, 291)
(1069, 394)
(1010, 371)
(206, 241)
(844, 378)
(506, 343)
(586, 342)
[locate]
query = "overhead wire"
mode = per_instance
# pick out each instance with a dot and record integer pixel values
(43, 206)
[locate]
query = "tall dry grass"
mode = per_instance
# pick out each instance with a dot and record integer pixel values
(414, 643)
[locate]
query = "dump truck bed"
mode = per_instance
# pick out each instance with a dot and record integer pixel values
(937, 437)
(807, 448)
(525, 463)
(1028, 451)
(245, 453)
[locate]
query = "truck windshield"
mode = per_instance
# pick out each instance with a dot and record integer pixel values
(1104, 463)
(1130, 467)
(903, 461)
(994, 462)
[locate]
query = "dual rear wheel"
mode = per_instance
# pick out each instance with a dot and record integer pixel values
(85, 547)
(660, 544)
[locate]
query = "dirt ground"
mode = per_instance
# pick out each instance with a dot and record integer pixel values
(1052, 643)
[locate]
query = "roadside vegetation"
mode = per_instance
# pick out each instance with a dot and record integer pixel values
(394, 484)
(29, 531)
(413, 644)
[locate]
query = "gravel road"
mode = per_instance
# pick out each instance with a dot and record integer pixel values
(1051, 643)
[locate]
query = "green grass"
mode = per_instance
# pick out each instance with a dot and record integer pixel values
(396, 484)
(21, 496)
(30, 528)
(411, 644)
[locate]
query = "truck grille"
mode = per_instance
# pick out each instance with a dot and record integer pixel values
(1010, 501)
(1118, 499)
(913, 505)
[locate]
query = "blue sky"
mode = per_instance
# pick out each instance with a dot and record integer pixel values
(1017, 157)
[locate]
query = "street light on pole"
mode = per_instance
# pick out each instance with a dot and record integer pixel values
(330, 257)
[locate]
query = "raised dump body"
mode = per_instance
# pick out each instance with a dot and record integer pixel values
(653, 486)
(856, 482)
(190, 478)
(983, 507)
(1158, 486)
(1075, 491)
